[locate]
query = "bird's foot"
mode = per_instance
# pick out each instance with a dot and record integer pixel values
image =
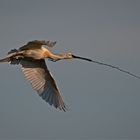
(15, 61)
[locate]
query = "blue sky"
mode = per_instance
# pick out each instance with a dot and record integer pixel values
(104, 103)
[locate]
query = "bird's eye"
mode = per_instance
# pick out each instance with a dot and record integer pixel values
(69, 55)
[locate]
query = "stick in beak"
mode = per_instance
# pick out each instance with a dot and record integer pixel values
(78, 57)
(108, 65)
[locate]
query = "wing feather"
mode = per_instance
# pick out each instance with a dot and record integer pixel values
(37, 73)
(36, 44)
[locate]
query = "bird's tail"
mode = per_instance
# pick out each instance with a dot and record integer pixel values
(7, 59)
(11, 56)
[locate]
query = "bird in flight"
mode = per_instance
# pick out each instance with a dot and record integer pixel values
(32, 56)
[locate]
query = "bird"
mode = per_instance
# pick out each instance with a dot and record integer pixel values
(31, 57)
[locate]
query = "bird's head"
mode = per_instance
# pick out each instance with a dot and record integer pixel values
(67, 55)
(72, 56)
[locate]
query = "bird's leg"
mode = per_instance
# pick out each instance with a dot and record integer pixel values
(16, 60)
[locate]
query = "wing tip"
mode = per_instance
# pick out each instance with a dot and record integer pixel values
(58, 103)
(64, 108)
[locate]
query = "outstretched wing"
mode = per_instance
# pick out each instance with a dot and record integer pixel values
(37, 73)
(36, 44)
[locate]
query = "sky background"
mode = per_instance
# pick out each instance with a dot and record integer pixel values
(104, 103)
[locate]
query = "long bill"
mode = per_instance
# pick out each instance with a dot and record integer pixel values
(108, 65)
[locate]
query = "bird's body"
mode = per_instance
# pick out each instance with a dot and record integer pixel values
(32, 56)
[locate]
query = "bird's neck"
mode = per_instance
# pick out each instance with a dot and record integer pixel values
(48, 54)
